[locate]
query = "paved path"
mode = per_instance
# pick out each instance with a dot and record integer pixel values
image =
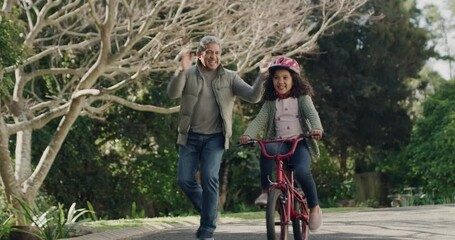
(425, 222)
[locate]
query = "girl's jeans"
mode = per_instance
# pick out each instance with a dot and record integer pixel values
(301, 161)
(203, 152)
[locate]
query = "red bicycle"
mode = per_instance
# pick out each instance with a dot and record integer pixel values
(285, 203)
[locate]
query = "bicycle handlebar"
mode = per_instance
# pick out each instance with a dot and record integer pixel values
(293, 140)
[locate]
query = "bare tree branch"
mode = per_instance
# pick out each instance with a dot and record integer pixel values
(38, 121)
(51, 72)
(89, 50)
(138, 107)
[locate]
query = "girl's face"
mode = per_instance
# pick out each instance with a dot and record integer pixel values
(282, 81)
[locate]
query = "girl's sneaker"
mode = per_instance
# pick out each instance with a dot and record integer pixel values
(315, 220)
(262, 199)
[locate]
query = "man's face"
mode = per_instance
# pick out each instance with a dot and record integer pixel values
(211, 57)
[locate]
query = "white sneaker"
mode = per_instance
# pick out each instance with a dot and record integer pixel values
(262, 199)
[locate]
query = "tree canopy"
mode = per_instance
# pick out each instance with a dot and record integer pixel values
(430, 152)
(361, 81)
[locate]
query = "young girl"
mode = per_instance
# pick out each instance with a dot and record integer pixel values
(287, 112)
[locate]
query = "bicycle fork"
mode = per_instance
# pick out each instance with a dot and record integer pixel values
(285, 199)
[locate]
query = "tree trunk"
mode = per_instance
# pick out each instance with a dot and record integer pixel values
(23, 165)
(7, 5)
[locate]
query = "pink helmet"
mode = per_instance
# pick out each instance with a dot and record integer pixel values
(285, 62)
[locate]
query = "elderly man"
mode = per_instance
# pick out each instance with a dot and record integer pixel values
(207, 91)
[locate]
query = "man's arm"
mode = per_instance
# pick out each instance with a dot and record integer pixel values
(253, 93)
(177, 83)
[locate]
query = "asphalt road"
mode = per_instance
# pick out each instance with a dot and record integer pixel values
(425, 222)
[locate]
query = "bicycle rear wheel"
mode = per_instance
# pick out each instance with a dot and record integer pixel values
(300, 225)
(277, 228)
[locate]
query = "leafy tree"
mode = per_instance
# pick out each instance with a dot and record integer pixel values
(423, 87)
(441, 28)
(129, 157)
(430, 151)
(360, 79)
(11, 51)
(10, 47)
(240, 168)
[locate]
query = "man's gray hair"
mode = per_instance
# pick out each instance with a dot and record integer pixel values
(206, 41)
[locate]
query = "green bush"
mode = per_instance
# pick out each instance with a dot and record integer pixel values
(430, 153)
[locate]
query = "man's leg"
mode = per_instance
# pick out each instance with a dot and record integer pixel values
(211, 155)
(189, 156)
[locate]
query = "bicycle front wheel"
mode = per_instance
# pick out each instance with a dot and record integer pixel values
(299, 224)
(277, 227)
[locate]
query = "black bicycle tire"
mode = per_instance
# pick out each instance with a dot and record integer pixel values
(275, 206)
(299, 226)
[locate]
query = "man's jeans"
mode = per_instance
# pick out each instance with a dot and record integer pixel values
(204, 152)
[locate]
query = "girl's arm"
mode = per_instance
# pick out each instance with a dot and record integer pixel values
(258, 123)
(311, 114)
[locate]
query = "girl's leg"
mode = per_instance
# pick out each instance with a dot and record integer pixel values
(266, 168)
(302, 166)
(302, 169)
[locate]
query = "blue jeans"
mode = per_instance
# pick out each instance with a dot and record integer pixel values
(204, 152)
(301, 160)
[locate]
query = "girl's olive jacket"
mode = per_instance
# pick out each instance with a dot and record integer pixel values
(226, 86)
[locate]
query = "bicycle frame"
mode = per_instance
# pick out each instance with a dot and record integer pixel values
(289, 196)
(285, 182)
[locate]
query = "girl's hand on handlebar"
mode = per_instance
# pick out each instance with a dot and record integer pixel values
(244, 139)
(316, 134)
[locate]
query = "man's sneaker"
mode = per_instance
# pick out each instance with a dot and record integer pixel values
(203, 235)
(315, 220)
(262, 199)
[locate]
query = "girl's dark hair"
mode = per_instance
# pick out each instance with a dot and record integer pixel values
(300, 86)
